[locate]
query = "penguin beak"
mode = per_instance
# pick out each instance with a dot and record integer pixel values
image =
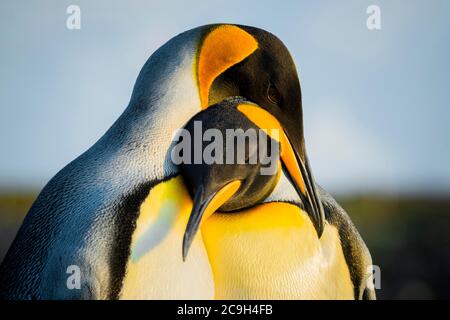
(206, 202)
(305, 186)
(299, 171)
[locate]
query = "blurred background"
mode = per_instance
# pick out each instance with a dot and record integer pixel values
(375, 107)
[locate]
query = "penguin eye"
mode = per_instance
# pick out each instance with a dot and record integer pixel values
(272, 94)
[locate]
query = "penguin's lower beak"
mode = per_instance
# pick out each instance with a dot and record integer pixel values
(304, 183)
(299, 171)
(206, 202)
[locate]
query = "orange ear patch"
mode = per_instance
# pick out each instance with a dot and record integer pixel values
(264, 120)
(222, 48)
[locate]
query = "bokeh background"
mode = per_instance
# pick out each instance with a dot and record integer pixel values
(375, 103)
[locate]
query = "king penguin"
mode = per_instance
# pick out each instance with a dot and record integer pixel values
(130, 221)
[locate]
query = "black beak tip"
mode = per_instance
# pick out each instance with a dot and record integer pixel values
(186, 245)
(319, 228)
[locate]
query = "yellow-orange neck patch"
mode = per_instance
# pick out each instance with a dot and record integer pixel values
(267, 122)
(222, 48)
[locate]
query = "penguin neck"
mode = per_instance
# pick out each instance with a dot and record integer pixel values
(164, 98)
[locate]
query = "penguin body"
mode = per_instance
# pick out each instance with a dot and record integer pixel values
(120, 212)
(276, 255)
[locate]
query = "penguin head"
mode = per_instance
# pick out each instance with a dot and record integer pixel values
(267, 77)
(254, 64)
(231, 148)
(240, 162)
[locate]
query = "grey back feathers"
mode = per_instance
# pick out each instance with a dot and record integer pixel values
(85, 215)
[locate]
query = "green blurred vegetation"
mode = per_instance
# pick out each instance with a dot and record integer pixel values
(409, 239)
(13, 207)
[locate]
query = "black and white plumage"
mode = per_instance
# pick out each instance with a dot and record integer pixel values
(103, 211)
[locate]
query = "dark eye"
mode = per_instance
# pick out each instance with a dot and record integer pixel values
(272, 94)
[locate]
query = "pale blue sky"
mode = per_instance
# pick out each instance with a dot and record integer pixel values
(375, 102)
